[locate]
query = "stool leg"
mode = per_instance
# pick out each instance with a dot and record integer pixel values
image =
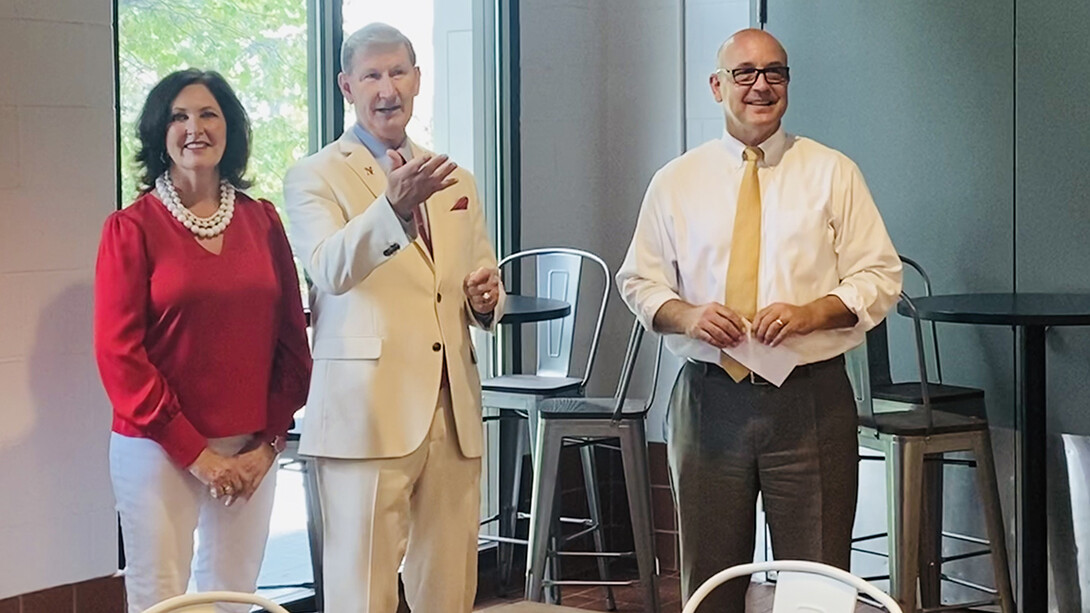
(931, 532)
(638, 487)
(904, 474)
(547, 464)
(590, 483)
(993, 517)
(552, 561)
(513, 448)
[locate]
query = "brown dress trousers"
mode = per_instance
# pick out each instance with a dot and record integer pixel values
(795, 444)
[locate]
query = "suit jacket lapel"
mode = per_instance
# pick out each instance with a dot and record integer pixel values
(360, 160)
(364, 165)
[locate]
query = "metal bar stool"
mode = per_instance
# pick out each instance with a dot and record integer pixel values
(580, 420)
(910, 440)
(559, 273)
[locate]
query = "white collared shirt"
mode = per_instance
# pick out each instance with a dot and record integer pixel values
(821, 234)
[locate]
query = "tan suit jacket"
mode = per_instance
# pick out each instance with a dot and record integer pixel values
(385, 312)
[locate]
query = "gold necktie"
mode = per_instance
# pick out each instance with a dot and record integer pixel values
(745, 253)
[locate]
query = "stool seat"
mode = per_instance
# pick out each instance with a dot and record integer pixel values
(589, 408)
(531, 384)
(914, 423)
(909, 393)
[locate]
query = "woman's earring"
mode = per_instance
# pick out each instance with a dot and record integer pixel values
(163, 158)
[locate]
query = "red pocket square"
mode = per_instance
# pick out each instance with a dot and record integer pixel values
(461, 205)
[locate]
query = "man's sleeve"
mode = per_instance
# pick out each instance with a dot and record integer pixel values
(484, 256)
(338, 253)
(648, 277)
(867, 263)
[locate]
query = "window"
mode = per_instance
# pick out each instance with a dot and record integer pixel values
(281, 57)
(259, 46)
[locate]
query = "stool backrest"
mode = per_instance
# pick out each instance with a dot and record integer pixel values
(632, 353)
(877, 342)
(868, 365)
(559, 271)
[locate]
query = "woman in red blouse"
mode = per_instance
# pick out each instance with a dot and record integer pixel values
(201, 344)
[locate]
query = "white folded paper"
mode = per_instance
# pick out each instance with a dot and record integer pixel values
(772, 363)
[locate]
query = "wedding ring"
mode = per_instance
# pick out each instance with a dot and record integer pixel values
(227, 489)
(487, 296)
(778, 321)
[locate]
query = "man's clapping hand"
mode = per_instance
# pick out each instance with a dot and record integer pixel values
(411, 183)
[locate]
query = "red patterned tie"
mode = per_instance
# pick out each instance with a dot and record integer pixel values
(422, 227)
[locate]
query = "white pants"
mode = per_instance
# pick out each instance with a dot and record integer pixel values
(422, 508)
(161, 505)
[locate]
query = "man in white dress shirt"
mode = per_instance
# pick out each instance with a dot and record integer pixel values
(760, 236)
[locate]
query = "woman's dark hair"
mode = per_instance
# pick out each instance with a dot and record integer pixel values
(152, 159)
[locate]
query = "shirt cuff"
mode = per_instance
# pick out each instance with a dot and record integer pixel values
(181, 440)
(854, 301)
(650, 306)
(485, 319)
(381, 230)
(409, 226)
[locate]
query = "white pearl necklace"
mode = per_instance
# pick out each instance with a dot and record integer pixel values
(204, 227)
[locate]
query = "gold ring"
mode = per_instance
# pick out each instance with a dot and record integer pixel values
(227, 489)
(487, 296)
(778, 321)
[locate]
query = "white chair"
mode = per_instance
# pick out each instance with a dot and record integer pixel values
(802, 587)
(201, 602)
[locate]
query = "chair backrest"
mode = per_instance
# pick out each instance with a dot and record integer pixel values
(936, 358)
(632, 353)
(202, 602)
(801, 587)
(559, 271)
(868, 365)
(877, 342)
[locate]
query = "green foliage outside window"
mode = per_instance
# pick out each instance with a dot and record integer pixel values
(259, 46)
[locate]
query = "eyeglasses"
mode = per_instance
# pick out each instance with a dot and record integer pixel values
(774, 75)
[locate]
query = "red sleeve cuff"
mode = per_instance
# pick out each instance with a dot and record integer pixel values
(181, 440)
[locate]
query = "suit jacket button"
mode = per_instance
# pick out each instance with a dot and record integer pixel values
(438, 297)
(392, 249)
(436, 347)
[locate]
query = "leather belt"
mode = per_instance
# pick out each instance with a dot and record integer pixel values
(804, 370)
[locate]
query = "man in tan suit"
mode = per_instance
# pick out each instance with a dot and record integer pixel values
(393, 239)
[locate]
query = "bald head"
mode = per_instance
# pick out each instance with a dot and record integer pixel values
(750, 83)
(735, 48)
